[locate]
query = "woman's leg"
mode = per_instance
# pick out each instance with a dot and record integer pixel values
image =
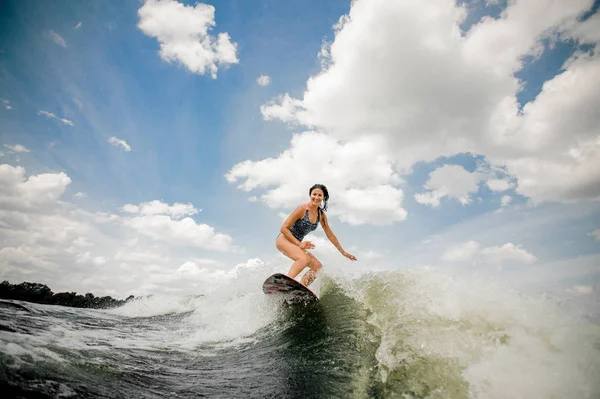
(315, 265)
(298, 255)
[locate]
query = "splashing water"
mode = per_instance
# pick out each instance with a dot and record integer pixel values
(410, 334)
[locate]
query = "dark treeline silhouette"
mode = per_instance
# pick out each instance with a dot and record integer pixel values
(41, 293)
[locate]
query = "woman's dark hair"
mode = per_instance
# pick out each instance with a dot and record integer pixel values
(325, 194)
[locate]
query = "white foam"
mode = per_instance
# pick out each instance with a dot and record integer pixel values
(505, 343)
(236, 309)
(229, 313)
(156, 305)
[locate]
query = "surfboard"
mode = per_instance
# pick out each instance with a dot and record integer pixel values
(293, 290)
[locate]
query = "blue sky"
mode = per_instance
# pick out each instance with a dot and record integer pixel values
(411, 113)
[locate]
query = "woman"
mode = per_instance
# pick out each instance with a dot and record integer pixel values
(297, 226)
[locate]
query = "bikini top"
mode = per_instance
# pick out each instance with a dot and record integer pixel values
(303, 226)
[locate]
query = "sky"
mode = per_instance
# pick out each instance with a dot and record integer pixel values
(157, 146)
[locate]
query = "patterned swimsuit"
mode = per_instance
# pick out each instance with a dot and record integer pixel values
(303, 226)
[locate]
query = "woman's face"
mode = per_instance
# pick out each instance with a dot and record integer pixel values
(316, 196)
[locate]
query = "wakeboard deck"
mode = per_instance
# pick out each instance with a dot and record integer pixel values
(293, 290)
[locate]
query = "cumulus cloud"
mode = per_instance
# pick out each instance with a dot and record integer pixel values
(177, 210)
(48, 240)
(470, 251)
(52, 116)
(203, 277)
(77, 26)
(34, 192)
(505, 200)
(499, 184)
(509, 252)
(435, 91)
(358, 174)
(119, 143)
(193, 269)
(455, 182)
(452, 181)
(596, 234)
(263, 80)
(183, 34)
(284, 109)
(167, 223)
(17, 148)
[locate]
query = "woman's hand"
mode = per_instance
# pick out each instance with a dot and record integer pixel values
(306, 245)
(349, 256)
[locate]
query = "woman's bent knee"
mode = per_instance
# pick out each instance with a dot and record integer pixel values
(315, 265)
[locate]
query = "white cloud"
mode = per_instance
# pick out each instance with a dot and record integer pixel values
(167, 223)
(378, 205)
(369, 255)
(141, 257)
(6, 103)
(118, 142)
(557, 165)
(58, 39)
(189, 267)
(17, 148)
(177, 210)
(588, 31)
(52, 116)
(79, 194)
(263, 80)
(283, 109)
(461, 252)
(183, 232)
(195, 267)
(39, 191)
(581, 289)
(82, 242)
(433, 92)
(47, 240)
(211, 278)
(17, 257)
(469, 251)
(596, 233)
(451, 181)
(183, 34)
(77, 26)
(505, 200)
(499, 184)
(358, 174)
(508, 252)
(87, 258)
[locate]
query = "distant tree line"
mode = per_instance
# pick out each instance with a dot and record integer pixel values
(41, 293)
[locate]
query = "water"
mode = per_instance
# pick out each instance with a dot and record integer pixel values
(405, 334)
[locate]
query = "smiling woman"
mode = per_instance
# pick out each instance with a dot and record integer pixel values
(298, 225)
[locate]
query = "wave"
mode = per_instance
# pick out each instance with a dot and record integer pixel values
(410, 333)
(456, 337)
(430, 334)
